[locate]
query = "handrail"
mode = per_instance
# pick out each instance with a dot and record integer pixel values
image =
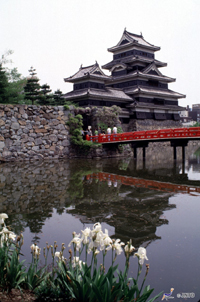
(146, 135)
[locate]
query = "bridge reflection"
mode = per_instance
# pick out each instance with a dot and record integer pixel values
(131, 200)
(114, 179)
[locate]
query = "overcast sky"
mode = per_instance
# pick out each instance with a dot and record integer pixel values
(57, 36)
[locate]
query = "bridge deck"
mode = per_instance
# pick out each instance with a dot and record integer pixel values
(149, 135)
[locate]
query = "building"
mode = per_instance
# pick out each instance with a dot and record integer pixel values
(184, 115)
(136, 84)
(195, 113)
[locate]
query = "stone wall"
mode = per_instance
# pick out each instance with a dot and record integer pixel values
(140, 125)
(33, 132)
(40, 132)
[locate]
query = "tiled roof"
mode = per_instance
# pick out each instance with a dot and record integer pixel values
(155, 106)
(132, 39)
(110, 93)
(93, 71)
(150, 91)
(138, 38)
(142, 75)
(153, 67)
(131, 59)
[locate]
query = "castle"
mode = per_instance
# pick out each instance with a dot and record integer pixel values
(136, 84)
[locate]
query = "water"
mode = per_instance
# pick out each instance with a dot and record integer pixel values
(156, 204)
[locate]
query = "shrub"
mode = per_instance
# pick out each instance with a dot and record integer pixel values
(75, 126)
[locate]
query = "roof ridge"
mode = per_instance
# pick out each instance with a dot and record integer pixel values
(149, 67)
(132, 34)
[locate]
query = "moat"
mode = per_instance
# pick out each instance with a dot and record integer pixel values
(157, 205)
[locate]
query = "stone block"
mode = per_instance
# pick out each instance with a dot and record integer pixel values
(30, 144)
(65, 143)
(21, 110)
(15, 126)
(2, 145)
(22, 123)
(1, 113)
(2, 123)
(35, 148)
(60, 127)
(38, 141)
(53, 137)
(40, 130)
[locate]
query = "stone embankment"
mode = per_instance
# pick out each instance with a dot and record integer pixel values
(30, 132)
(33, 132)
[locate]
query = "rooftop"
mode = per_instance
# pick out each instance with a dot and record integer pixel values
(93, 71)
(133, 59)
(153, 91)
(130, 39)
(111, 93)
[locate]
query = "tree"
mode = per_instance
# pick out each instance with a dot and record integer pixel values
(58, 99)
(32, 87)
(3, 85)
(15, 86)
(11, 82)
(45, 97)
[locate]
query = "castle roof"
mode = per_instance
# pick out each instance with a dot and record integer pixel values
(93, 72)
(141, 105)
(107, 93)
(130, 40)
(133, 59)
(144, 74)
(153, 92)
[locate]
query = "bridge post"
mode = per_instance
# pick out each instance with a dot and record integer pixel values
(144, 153)
(135, 152)
(179, 143)
(139, 144)
(183, 153)
(174, 152)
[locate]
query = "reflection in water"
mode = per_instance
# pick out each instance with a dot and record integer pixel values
(111, 191)
(131, 201)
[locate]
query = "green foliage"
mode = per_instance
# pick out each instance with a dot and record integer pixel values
(3, 85)
(11, 82)
(12, 271)
(75, 124)
(58, 100)
(70, 103)
(15, 87)
(34, 276)
(119, 130)
(197, 124)
(120, 148)
(4, 58)
(15, 271)
(32, 87)
(45, 98)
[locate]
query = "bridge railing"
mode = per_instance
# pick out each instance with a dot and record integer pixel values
(146, 135)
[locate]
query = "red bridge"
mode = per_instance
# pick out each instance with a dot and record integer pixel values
(149, 135)
(178, 137)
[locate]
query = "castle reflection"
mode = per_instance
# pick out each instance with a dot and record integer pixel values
(116, 192)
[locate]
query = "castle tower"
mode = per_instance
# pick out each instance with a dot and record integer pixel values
(136, 85)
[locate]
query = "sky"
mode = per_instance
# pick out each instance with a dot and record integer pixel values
(57, 36)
